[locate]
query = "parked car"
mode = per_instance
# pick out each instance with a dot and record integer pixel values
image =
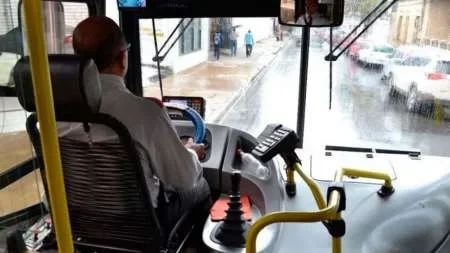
(398, 56)
(376, 55)
(423, 79)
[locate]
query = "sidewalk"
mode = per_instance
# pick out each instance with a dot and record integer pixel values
(220, 82)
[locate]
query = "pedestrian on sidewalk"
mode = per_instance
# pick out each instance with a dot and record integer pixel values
(249, 43)
(217, 44)
(233, 39)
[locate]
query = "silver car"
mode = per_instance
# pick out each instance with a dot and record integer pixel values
(423, 79)
(376, 55)
(398, 57)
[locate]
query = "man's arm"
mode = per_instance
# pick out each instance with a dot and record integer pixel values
(176, 166)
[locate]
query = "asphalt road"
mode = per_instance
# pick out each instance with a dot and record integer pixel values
(361, 113)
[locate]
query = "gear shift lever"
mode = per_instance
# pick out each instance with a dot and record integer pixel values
(233, 229)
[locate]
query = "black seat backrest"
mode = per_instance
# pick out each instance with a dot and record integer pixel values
(109, 203)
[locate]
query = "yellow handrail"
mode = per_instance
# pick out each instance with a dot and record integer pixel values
(312, 186)
(365, 174)
(325, 213)
(46, 114)
(328, 213)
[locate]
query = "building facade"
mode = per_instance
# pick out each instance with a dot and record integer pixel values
(190, 49)
(421, 22)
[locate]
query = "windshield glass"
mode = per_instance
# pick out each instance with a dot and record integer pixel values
(227, 61)
(247, 69)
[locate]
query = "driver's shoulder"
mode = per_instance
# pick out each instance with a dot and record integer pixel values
(131, 104)
(149, 103)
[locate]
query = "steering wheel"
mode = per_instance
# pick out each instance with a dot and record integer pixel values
(194, 116)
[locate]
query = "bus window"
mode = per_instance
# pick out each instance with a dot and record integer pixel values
(10, 41)
(74, 13)
(60, 18)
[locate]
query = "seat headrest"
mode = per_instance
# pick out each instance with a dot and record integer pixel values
(75, 83)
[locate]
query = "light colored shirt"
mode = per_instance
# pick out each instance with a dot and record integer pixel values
(233, 35)
(149, 124)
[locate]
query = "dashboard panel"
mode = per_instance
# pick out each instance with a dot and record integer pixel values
(196, 103)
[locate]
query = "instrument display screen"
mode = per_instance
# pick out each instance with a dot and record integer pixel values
(196, 103)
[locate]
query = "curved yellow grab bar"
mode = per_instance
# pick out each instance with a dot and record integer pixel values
(315, 190)
(365, 174)
(46, 114)
(329, 213)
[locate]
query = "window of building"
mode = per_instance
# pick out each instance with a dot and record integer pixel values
(434, 43)
(399, 28)
(406, 35)
(191, 40)
(417, 22)
(417, 27)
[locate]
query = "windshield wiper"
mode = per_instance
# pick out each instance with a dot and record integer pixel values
(332, 57)
(158, 58)
(412, 153)
(348, 149)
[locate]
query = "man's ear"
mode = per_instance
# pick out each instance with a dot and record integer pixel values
(123, 57)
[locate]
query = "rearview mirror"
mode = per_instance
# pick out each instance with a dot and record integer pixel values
(312, 13)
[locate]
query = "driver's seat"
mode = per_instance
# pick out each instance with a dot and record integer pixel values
(109, 203)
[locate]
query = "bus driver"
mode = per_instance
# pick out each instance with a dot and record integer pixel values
(161, 151)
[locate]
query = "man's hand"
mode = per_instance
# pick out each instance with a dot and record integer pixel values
(198, 148)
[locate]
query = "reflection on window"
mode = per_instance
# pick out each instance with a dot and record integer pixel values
(191, 38)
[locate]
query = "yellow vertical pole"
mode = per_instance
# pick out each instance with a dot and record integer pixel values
(46, 115)
(337, 245)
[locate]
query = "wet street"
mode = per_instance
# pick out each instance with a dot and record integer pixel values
(361, 114)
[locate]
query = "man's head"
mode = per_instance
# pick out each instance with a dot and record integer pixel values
(249, 31)
(101, 39)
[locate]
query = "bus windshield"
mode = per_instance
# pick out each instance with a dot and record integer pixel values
(247, 69)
